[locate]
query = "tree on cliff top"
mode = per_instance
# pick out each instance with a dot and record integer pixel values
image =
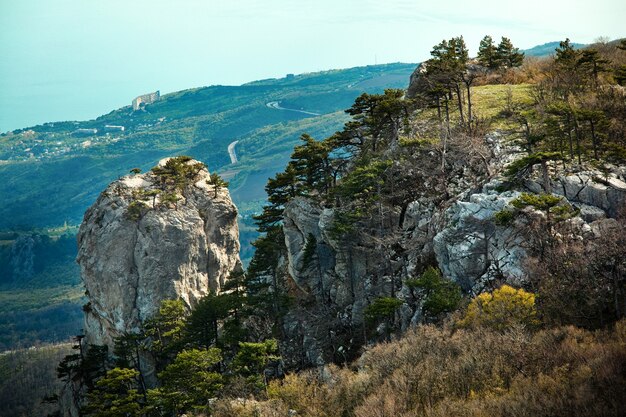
(217, 182)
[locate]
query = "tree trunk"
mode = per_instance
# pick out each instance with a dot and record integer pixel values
(528, 141)
(445, 138)
(469, 107)
(459, 96)
(546, 177)
(577, 132)
(593, 139)
(569, 137)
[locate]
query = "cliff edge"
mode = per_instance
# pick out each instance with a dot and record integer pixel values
(165, 234)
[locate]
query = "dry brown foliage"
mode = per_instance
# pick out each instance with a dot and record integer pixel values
(564, 371)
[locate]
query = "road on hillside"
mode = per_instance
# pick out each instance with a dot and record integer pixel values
(272, 105)
(276, 105)
(231, 152)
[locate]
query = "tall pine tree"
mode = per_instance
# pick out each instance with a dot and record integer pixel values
(508, 56)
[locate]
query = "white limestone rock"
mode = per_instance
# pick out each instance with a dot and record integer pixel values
(129, 265)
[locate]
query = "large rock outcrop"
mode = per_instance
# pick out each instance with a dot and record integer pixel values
(141, 243)
(472, 249)
(334, 279)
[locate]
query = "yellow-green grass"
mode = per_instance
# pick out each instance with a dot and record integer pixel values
(489, 103)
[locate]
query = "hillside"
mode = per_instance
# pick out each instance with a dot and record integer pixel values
(547, 49)
(50, 174)
(455, 248)
(449, 251)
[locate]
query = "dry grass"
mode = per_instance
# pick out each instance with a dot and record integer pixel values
(492, 106)
(563, 371)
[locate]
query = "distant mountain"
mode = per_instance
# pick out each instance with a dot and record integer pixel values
(547, 49)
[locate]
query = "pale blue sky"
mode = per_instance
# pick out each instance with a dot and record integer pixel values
(76, 59)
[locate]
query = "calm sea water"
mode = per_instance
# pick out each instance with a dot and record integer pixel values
(77, 99)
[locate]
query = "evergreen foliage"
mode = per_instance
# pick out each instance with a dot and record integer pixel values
(252, 358)
(115, 395)
(188, 382)
(177, 173)
(553, 206)
(521, 167)
(217, 182)
(382, 308)
(441, 295)
(367, 178)
(507, 55)
(487, 53)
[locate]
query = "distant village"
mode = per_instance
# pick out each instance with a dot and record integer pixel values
(43, 143)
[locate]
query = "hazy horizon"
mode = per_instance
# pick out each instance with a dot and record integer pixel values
(75, 60)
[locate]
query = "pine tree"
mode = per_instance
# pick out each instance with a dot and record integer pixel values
(445, 72)
(592, 64)
(166, 330)
(311, 161)
(202, 326)
(115, 395)
(507, 55)
(217, 182)
(487, 53)
(378, 118)
(188, 382)
(566, 56)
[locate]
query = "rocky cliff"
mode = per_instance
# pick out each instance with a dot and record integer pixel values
(144, 241)
(336, 279)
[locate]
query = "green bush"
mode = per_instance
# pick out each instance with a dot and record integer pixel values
(135, 210)
(382, 308)
(504, 217)
(442, 295)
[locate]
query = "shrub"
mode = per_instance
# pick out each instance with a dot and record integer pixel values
(441, 295)
(504, 217)
(382, 308)
(521, 167)
(501, 309)
(135, 210)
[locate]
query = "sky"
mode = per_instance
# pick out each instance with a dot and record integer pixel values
(77, 59)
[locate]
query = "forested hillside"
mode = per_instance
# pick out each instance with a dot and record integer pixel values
(50, 174)
(53, 172)
(455, 249)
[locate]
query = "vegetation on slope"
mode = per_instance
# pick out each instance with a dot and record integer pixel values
(201, 122)
(39, 294)
(433, 371)
(27, 377)
(50, 174)
(506, 352)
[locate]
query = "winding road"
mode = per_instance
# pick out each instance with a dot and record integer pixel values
(272, 105)
(231, 152)
(276, 105)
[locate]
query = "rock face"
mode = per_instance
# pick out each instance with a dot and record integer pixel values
(22, 259)
(137, 248)
(472, 249)
(334, 279)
